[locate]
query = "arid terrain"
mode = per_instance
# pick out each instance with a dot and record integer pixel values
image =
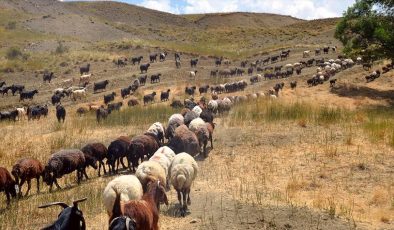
(314, 158)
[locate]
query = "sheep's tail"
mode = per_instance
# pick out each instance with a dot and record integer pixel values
(181, 180)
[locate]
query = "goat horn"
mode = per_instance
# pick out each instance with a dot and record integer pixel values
(75, 202)
(63, 205)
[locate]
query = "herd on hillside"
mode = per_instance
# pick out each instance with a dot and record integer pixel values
(161, 157)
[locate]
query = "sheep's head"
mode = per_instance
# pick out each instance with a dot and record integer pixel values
(47, 176)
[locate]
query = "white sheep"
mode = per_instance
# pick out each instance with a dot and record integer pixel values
(306, 53)
(192, 74)
(174, 121)
(149, 171)
(84, 78)
(79, 94)
(157, 129)
(21, 113)
(164, 156)
(184, 171)
(213, 106)
(197, 109)
(129, 188)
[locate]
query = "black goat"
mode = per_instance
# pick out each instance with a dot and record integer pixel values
(60, 113)
(164, 96)
(48, 77)
(27, 95)
(144, 67)
(101, 85)
(109, 97)
(84, 69)
(71, 217)
(149, 98)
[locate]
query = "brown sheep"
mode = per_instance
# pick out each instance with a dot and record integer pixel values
(141, 146)
(62, 163)
(7, 184)
(25, 170)
(210, 127)
(184, 141)
(95, 152)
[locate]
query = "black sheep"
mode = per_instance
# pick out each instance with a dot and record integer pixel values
(84, 69)
(101, 85)
(102, 114)
(164, 96)
(48, 77)
(17, 88)
(136, 60)
(142, 79)
(27, 95)
(155, 78)
(117, 150)
(125, 92)
(110, 97)
(149, 98)
(95, 152)
(115, 106)
(144, 67)
(60, 113)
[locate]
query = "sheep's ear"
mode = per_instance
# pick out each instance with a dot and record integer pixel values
(75, 202)
(63, 205)
(116, 209)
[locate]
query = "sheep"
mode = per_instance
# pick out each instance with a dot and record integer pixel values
(84, 79)
(94, 152)
(8, 185)
(213, 106)
(81, 111)
(176, 104)
(21, 113)
(27, 169)
(189, 116)
(164, 96)
(158, 130)
(184, 171)
(173, 122)
(109, 97)
(139, 214)
(149, 98)
(128, 187)
(133, 102)
(117, 149)
(199, 127)
(114, 106)
(306, 53)
(210, 127)
(207, 115)
(60, 113)
(101, 85)
(197, 109)
(293, 84)
(79, 94)
(149, 171)
(84, 69)
(64, 162)
(102, 113)
(27, 95)
(184, 140)
(164, 156)
(192, 74)
(141, 146)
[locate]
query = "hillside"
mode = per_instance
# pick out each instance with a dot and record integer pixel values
(233, 35)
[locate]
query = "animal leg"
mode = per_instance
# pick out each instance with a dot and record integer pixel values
(28, 186)
(188, 197)
(38, 184)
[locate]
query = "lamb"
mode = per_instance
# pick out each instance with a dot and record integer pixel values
(184, 171)
(8, 184)
(21, 113)
(127, 186)
(62, 163)
(94, 152)
(192, 74)
(174, 121)
(164, 156)
(184, 140)
(117, 149)
(199, 127)
(139, 214)
(27, 169)
(157, 129)
(149, 171)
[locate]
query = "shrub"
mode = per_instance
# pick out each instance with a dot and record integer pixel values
(14, 53)
(61, 48)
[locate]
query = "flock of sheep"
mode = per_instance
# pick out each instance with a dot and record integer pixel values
(133, 201)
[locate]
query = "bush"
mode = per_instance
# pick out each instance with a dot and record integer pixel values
(14, 53)
(61, 48)
(11, 26)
